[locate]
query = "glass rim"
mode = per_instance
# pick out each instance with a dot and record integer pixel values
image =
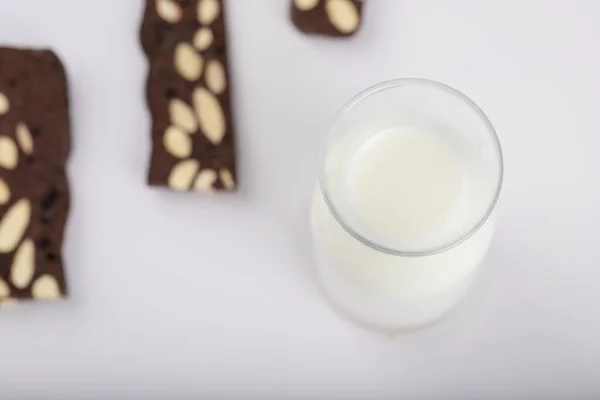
(392, 84)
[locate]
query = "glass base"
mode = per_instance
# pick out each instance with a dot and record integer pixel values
(371, 289)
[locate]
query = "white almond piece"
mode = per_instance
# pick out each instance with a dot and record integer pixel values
(24, 138)
(14, 224)
(343, 15)
(4, 192)
(205, 180)
(4, 104)
(305, 5)
(208, 11)
(182, 175)
(177, 142)
(182, 115)
(169, 11)
(210, 115)
(45, 287)
(23, 266)
(215, 77)
(4, 289)
(188, 62)
(227, 178)
(203, 38)
(9, 154)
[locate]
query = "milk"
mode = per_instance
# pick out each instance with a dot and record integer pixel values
(406, 188)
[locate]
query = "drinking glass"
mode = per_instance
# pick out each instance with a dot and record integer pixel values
(403, 275)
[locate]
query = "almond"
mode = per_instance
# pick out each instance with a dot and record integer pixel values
(210, 115)
(182, 175)
(343, 15)
(13, 225)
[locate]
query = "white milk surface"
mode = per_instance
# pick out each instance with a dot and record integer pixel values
(412, 188)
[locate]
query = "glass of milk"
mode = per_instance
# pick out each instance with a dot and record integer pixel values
(403, 213)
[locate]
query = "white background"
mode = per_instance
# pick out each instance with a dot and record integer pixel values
(177, 296)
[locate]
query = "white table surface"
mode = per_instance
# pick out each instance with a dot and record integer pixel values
(184, 296)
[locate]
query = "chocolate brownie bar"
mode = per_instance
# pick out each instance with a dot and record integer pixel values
(34, 196)
(327, 17)
(188, 93)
